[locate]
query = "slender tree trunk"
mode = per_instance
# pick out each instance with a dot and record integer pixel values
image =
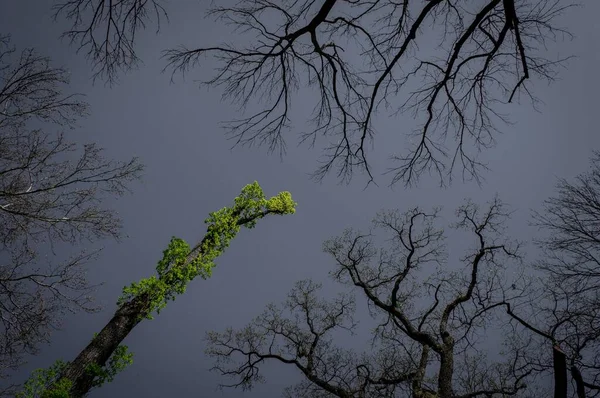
(579, 381)
(417, 382)
(104, 344)
(446, 373)
(560, 373)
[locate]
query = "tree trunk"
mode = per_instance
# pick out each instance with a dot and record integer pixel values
(219, 232)
(579, 381)
(104, 344)
(446, 373)
(560, 373)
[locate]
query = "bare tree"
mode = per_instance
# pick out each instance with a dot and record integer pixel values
(562, 338)
(572, 220)
(106, 30)
(433, 332)
(49, 194)
(566, 309)
(434, 317)
(451, 64)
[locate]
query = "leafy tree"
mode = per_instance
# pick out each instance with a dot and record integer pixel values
(105, 356)
(49, 194)
(451, 64)
(36, 385)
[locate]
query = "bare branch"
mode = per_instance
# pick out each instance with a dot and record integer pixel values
(106, 31)
(570, 309)
(31, 297)
(49, 194)
(425, 322)
(30, 88)
(359, 56)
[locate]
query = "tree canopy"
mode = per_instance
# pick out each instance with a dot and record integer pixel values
(437, 315)
(50, 193)
(451, 65)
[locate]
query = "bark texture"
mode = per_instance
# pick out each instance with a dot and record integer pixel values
(99, 350)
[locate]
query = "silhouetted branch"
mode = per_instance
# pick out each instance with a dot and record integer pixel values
(49, 194)
(358, 56)
(106, 30)
(426, 323)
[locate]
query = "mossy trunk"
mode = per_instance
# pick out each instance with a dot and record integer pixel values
(99, 350)
(445, 389)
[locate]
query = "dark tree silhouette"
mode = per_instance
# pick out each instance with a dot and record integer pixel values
(49, 194)
(563, 337)
(572, 219)
(450, 64)
(106, 30)
(433, 317)
(565, 310)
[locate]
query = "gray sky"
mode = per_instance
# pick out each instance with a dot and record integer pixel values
(174, 129)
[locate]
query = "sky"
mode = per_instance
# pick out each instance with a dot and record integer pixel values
(191, 170)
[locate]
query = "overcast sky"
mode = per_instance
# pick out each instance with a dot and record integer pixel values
(191, 171)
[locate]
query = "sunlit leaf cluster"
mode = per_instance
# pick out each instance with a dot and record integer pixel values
(180, 263)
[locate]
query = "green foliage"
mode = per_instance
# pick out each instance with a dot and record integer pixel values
(38, 385)
(180, 264)
(282, 204)
(154, 287)
(119, 360)
(44, 383)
